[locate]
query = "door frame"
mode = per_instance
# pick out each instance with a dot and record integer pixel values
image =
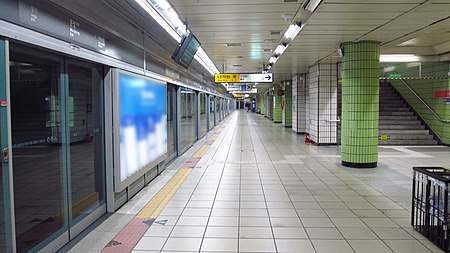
(6, 143)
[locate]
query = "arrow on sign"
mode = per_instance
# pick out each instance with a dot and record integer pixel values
(268, 77)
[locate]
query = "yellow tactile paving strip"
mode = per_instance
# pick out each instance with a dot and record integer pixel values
(160, 200)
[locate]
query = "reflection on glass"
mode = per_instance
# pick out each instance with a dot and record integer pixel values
(212, 116)
(188, 118)
(171, 121)
(203, 116)
(86, 140)
(36, 110)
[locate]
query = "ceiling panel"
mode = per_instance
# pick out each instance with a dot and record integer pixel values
(392, 22)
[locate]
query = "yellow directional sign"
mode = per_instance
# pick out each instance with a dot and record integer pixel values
(226, 78)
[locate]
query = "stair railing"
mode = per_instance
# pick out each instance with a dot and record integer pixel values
(423, 101)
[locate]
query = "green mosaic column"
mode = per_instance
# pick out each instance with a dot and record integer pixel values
(360, 104)
(277, 111)
(261, 104)
(287, 110)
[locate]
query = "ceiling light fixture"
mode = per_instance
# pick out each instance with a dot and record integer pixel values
(280, 49)
(166, 16)
(293, 31)
(290, 34)
(273, 60)
(399, 58)
(312, 5)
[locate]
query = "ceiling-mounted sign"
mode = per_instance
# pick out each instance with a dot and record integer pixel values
(244, 78)
(226, 78)
(442, 94)
(257, 78)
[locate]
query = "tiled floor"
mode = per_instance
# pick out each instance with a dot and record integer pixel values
(260, 188)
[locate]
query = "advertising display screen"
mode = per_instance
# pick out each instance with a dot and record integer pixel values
(142, 125)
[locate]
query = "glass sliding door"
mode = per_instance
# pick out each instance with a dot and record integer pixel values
(39, 167)
(203, 124)
(212, 108)
(57, 146)
(218, 113)
(188, 128)
(171, 122)
(86, 149)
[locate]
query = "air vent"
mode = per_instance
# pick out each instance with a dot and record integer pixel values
(237, 65)
(275, 32)
(270, 41)
(240, 57)
(290, 1)
(233, 44)
(267, 50)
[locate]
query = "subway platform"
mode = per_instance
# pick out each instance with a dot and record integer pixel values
(254, 186)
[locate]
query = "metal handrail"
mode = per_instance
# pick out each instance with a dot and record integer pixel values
(423, 101)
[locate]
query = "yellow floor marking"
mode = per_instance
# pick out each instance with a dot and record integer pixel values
(155, 206)
(214, 137)
(201, 151)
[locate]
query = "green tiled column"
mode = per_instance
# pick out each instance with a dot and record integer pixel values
(360, 104)
(260, 102)
(287, 110)
(277, 117)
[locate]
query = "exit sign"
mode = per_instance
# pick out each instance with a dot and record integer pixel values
(395, 75)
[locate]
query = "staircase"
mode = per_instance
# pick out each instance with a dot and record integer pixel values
(398, 124)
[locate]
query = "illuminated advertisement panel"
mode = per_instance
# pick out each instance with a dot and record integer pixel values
(142, 126)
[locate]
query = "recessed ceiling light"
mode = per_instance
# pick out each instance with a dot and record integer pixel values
(233, 44)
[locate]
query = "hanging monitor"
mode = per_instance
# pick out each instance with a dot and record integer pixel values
(186, 50)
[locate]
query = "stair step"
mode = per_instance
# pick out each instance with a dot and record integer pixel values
(401, 127)
(424, 136)
(397, 117)
(395, 109)
(407, 142)
(398, 131)
(386, 113)
(399, 122)
(390, 104)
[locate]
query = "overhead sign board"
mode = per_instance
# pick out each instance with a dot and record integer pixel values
(244, 78)
(226, 78)
(252, 91)
(238, 87)
(256, 78)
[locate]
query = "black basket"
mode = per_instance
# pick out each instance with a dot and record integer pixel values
(430, 204)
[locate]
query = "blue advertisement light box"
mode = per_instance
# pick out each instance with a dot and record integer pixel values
(142, 126)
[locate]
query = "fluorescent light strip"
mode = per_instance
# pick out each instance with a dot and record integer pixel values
(293, 31)
(169, 20)
(273, 60)
(280, 49)
(312, 5)
(399, 58)
(157, 17)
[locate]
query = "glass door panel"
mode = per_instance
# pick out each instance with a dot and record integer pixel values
(85, 121)
(211, 112)
(203, 116)
(37, 112)
(188, 118)
(171, 122)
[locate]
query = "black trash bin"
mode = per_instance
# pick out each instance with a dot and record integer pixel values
(430, 204)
